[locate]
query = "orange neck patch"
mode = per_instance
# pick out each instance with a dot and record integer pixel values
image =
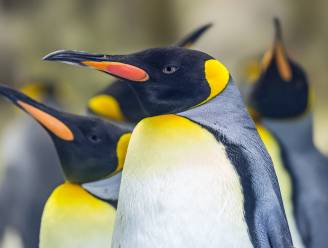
(54, 125)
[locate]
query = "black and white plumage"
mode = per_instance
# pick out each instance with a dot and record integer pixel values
(196, 173)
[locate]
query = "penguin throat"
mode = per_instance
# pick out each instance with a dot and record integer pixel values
(296, 134)
(107, 188)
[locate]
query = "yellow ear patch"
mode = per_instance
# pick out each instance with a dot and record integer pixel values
(252, 71)
(54, 125)
(106, 106)
(121, 149)
(33, 90)
(282, 62)
(217, 77)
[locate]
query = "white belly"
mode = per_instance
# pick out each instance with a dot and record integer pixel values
(178, 189)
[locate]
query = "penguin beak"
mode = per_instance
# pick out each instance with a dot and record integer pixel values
(191, 38)
(47, 117)
(279, 53)
(114, 65)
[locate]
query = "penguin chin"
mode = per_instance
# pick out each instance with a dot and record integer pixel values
(107, 189)
(168, 103)
(162, 108)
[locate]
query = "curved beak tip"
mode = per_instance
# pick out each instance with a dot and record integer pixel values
(209, 25)
(8, 92)
(65, 56)
(53, 56)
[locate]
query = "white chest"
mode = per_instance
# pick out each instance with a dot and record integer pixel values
(179, 189)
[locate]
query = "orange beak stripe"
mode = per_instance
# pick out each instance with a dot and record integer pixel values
(51, 123)
(122, 70)
(283, 66)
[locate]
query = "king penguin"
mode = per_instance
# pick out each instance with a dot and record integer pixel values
(196, 173)
(119, 102)
(81, 212)
(272, 144)
(29, 178)
(281, 99)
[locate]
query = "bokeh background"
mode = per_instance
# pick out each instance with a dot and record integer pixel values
(242, 29)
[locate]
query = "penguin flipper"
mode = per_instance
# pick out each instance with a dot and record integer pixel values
(278, 234)
(265, 218)
(303, 224)
(312, 222)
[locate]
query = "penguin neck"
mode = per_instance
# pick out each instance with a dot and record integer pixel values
(294, 134)
(106, 189)
(226, 113)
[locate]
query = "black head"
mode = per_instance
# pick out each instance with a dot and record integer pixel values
(89, 148)
(119, 102)
(282, 90)
(166, 80)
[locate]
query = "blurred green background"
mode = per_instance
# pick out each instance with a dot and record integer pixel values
(31, 29)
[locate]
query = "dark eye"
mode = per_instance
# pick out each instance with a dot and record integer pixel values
(169, 69)
(94, 138)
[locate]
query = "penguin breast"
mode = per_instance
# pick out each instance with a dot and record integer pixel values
(73, 218)
(179, 188)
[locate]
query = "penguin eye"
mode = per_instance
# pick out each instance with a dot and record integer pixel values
(94, 138)
(169, 69)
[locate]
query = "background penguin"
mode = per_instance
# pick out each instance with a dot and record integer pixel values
(220, 191)
(119, 102)
(91, 152)
(248, 71)
(31, 170)
(281, 99)
(252, 73)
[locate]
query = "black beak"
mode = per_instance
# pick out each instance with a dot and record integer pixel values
(280, 53)
(49, 118)
(74, 57)
(119, 66)
(277, 28)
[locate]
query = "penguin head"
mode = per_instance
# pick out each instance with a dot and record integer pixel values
(166, 80)
(282, 90)
(105, 103)
(89, 148)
